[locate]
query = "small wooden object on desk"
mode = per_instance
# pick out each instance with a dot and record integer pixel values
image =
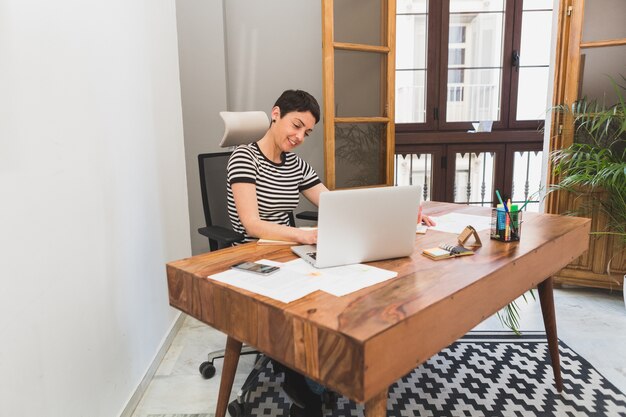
(468, 232)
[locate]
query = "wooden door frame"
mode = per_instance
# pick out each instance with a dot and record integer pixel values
(566, 79)
(388, 29)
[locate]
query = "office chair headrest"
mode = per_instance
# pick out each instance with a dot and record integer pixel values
(241, 127)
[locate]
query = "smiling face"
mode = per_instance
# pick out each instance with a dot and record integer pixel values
(290, 130)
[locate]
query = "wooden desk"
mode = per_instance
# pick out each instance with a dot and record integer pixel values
(360, 344)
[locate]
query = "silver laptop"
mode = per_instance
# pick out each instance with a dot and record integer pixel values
(363, 225)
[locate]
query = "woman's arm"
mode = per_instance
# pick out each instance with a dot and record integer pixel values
(245, 198)
(313, 194)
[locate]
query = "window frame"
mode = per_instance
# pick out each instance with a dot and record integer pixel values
(507, 135)
(437, 67)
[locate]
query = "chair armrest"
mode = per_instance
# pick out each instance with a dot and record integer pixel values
(224, 236)
(307, 215)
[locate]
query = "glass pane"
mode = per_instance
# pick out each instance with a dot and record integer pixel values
(360, 154)
(457, 34)
(476, 6)
(604, 19)
(537, 4)
(473, 178)
(410, 96)
(411, 42)
(527, 179)
(358, 21)
(473, 95)
(358, 95)
(411, 6)
(456, 57)
(480, 36)
(599, 66)
(415, 169)
(532, 93)
(536, 34)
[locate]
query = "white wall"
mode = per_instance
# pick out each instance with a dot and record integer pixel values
(203, 90)
(272, 46)
(93, 200)
(268, 47)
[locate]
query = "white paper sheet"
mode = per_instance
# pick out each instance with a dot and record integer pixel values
(298, 278)
(456, 222)
(342, 280)
(421, 229)
(285, 285)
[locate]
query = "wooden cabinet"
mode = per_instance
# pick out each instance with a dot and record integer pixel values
(591, 35)
(604, 264)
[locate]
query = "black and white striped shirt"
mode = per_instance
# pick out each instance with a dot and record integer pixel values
(278, 186)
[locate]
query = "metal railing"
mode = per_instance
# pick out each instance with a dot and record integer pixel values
(474, 176)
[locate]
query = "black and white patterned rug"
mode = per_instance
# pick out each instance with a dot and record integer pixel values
(483, 374)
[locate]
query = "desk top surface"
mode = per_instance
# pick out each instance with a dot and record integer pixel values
(391, 327)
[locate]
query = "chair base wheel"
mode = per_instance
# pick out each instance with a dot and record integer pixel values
(207, 370)
(235, 409)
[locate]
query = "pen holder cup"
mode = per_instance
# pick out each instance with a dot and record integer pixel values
(506, 226)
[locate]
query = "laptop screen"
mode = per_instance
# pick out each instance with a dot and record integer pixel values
(368, 224)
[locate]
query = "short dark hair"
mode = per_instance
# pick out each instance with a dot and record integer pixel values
(298, 100)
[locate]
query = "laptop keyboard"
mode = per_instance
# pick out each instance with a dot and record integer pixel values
(312, 255)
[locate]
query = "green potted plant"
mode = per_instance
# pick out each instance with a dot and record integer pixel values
(593, 168)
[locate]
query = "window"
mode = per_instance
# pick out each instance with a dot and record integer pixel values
(459, 62)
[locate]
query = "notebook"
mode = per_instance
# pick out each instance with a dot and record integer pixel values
(363, 225)
(445, 251)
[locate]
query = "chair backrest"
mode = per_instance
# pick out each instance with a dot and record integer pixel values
(243, 127)
(213, 187)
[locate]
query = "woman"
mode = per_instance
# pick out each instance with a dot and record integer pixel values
(265, 178)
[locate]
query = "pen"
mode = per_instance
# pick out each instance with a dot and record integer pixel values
(499, 198)
(509, 221)
(524, 205)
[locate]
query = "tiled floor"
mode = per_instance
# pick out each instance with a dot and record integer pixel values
(591, 322)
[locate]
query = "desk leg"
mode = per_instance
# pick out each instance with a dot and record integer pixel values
(377, 405)
(231, 359)
(546, 297)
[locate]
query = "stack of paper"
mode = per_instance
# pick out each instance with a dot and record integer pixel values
(456, 222)
(297, 278)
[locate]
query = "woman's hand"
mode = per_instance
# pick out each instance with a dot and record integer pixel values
(426, 220)
(422, 218)
(307, 236)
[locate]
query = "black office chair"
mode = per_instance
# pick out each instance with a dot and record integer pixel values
(218, 228)
(214, 201)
